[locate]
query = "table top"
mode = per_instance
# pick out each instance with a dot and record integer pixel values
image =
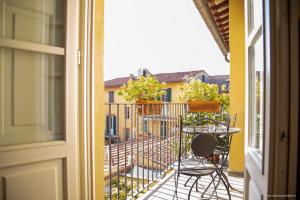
(210, 129)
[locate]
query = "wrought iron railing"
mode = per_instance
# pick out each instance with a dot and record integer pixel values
(141, 146)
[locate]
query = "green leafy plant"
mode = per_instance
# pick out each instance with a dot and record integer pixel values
(196, 90)
(124, 189)
(144, 88)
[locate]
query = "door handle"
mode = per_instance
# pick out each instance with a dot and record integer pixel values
(284, 137)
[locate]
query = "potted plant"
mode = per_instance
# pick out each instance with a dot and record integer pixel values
(145, 91)
(202, 97)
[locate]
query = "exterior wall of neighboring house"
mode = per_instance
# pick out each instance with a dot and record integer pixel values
(125, 122)
(237, 81)
(118, 129)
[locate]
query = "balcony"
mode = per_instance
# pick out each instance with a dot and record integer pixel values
(141, 150)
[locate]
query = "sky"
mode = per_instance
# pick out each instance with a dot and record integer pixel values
(160, 35)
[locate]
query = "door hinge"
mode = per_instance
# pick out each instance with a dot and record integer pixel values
(78, 57)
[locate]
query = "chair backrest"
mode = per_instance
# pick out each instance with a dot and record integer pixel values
(203, 145)
(226, 118)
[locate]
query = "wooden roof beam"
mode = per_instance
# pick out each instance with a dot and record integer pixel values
(223, 19)
(226, 30)
(223, 12)
(225, 25)
(225, 34)
(223, 4)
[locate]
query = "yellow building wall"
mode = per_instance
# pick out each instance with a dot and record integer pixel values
(98, 98)
(125, 123)
(174, 86)
(237, 81)
(175, 91)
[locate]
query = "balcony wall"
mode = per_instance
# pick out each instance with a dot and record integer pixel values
(237, 81)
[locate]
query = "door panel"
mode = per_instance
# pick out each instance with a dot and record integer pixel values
(38, 100)
(34, 181)
(33, 97)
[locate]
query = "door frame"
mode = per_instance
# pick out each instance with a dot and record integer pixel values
(91, 100)
(293, 171)
(85, 43)
(274, 174)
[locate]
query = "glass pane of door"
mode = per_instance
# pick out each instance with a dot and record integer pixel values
(37, 21)
(32, 80)
(258, 92)
(256, 75)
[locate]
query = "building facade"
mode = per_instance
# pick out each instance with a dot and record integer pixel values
(118, 108)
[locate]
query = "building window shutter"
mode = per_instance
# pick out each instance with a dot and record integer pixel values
(145, 125)
(163, 129)
(114, 125)
(111, 97)
(107, 125)
(127, 133)
(127, 112)
(168, 96)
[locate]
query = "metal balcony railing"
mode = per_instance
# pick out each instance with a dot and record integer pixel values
(140, 146)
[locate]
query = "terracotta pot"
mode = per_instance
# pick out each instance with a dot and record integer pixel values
(204, 106)
(214, 158)
(149, 107)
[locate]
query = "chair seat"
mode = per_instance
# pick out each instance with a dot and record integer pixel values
(188, 163)
(194, 167)
(197, 171)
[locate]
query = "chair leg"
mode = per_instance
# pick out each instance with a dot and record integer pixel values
(227, 181)
(192, 187)
(215, 190)
(213, 181)
(176, 177)
(215, 187)
(226, 186)
(185, 184)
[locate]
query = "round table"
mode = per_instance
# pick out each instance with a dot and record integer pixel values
(210, 129)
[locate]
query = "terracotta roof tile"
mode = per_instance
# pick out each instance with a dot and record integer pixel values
(161, 77)
(169, 78)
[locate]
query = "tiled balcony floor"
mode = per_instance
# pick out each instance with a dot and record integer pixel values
(164, 190)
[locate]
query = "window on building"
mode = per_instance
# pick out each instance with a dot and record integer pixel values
(111, 125)
(168, 96)
(145, 125)
(127, 133)
(163, 129)
(203, 78)
(111, 96)
(127, 112)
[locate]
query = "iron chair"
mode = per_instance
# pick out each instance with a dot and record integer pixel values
(202, 146)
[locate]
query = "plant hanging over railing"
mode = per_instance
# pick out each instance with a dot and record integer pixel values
(144, 88)
(198, 91)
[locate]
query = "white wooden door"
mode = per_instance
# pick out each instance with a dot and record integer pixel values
(267, 104)
(38, 100)
(256, 180)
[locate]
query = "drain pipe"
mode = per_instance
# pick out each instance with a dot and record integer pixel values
(226, 58)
